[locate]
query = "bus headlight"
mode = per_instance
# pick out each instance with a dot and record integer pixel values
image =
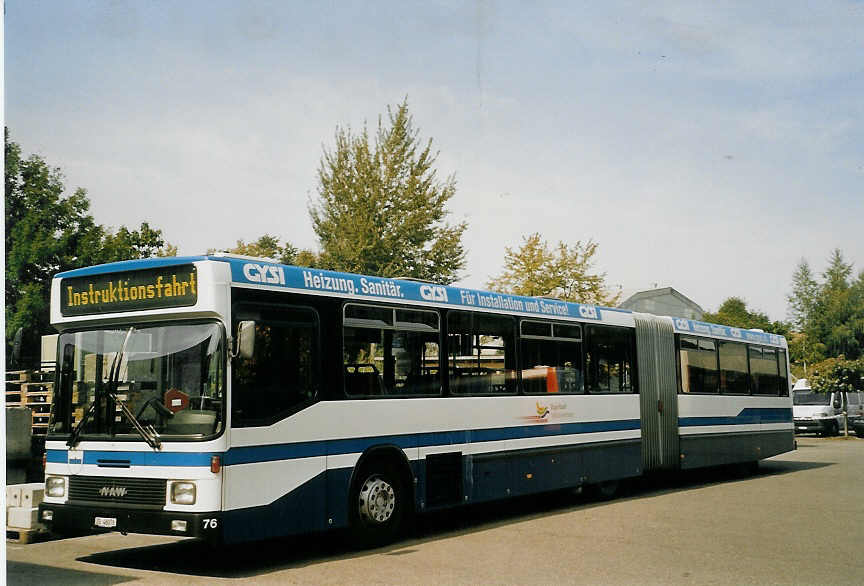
(183, 493)
(55, 486)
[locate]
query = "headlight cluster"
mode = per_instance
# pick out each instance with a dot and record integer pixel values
(183, 493)
(55, 486)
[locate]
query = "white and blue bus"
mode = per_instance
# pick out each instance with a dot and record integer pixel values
(238, 399)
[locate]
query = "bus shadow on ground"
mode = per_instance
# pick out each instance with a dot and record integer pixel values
(196, 558)
(23, 573)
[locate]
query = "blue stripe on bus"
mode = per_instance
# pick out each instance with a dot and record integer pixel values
(270, 453)
(748, 416)
(134, 458)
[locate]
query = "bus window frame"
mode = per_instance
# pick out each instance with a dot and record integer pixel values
(551, 338)
(779, 350)
(633, 358)
(244, 310)
(514, 328)
(396, 326)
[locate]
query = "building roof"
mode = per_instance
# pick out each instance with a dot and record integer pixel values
(651, 293)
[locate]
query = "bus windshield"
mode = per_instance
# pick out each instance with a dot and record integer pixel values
(810, 398)
(170, 377)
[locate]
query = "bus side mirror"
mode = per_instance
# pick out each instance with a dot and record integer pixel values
(67, 364)
(245, 339)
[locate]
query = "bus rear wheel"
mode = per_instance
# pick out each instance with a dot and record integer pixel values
(605, 490)
(377, 505)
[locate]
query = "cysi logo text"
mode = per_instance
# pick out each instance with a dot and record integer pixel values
(588, 311)
(264, 273)
(433, 293)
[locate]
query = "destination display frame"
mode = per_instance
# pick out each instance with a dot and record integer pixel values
(145, 289)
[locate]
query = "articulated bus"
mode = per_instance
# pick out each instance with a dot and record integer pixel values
(238, 399)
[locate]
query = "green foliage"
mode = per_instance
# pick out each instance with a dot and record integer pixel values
(805, 291)
(838, 374)
(381, 207)
(268, 246)
(562, 272)
(46, 232)
(49, 231)
(733, 312)
(128, 244)
(829, 315)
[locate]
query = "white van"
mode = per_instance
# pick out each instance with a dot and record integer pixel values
(855, 405)
(823, 412)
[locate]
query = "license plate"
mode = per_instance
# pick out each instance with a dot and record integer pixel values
(106, 522)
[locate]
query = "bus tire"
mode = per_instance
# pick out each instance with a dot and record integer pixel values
(378, 503)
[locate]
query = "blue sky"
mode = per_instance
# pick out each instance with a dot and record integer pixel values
(705, 146)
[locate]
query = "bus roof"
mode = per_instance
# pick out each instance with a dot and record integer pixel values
(253, 272)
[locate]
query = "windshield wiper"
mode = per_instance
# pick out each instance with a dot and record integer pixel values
(149, 433)
(76, 433)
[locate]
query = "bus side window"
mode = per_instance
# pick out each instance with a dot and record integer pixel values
(490, 368)
(609, 360)
(698, 359)
(390, 352)
(783, 378)
(551, 357)
(734, 377)
(283, 373)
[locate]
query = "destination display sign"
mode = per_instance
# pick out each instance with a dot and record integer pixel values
(170, 286)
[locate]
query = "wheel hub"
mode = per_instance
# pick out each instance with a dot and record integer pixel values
(377, 500)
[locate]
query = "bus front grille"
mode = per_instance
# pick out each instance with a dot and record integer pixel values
(106, 489)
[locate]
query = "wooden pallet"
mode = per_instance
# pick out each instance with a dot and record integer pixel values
(38, 397)
(42, 376)
(25, 536)
(19, 376)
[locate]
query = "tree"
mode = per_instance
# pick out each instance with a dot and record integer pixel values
(381, 207)
(803, 297)
(838, 375)
(268, 246)
(145, 242)
(535, 269)
(733, 312)
(838, 317)
(49, 231)
(829, 315)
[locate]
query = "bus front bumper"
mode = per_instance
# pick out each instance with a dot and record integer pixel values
(80, 519)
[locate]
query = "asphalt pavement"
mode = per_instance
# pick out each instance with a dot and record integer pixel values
(798, 520)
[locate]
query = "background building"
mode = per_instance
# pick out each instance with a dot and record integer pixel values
(665, 301)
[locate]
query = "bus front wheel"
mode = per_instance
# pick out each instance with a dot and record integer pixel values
(377, 504)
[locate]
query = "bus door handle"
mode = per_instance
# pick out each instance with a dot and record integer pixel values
(660, 406)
